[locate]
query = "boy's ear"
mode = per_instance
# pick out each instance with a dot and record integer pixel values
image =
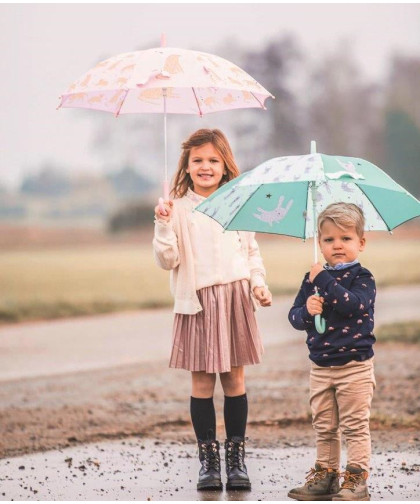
(362, 243)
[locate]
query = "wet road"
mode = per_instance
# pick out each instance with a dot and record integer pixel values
(149, 470)
(81, 344)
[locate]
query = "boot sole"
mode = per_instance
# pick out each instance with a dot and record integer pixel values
(208, 486)
(310, 497)
(363, 499)
(239, 485)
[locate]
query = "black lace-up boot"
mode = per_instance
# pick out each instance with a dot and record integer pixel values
(209, 477)
(237, 476)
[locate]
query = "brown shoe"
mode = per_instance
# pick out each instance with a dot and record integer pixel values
(354, 487)
(321, 484)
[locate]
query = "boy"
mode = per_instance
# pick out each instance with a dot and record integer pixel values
(342, 377)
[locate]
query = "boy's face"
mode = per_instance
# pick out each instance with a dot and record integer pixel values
(340, 245)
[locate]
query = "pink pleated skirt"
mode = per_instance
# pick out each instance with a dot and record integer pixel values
(221, 336)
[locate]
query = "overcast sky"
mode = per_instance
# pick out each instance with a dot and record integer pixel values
(45, 47)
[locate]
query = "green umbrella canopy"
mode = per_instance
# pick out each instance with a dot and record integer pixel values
(281, 195)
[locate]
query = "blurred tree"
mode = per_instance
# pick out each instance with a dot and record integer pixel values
(403, 89)
(130, 140)
(402, 137)
(402, 122)
(344, 112)
(48, 182)
(277, 131)
(127, 182)
(131, 216)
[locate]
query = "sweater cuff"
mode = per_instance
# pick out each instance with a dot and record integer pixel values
(257, 280)
(322, 280)
(163, 229)
(306, 316)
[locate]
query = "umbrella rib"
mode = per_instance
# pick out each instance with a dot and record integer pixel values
(261, 104)
(244, 203)
(198, 104)
(374, 206)
(122, 103)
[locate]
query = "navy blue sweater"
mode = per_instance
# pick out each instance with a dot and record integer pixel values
(349, 297)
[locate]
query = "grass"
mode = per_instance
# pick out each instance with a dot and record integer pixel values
(407, 332)
(64, 282)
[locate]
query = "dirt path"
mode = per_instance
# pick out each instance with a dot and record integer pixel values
(150, 400)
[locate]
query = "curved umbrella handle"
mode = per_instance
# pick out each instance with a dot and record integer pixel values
(320, 324)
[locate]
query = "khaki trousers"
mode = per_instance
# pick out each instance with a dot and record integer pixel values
(340, 398)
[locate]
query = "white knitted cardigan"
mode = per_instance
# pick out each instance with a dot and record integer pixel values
(173, 251)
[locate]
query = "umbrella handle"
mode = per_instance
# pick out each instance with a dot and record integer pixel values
(319, 321)
(165, 198)
(162, 208)
(319, 324)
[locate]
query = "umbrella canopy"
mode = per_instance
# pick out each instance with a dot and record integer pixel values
(285, 194)
(165, 80)
(185, 81)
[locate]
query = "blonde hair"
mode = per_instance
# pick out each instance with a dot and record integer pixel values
(182, 180)
(343, 215)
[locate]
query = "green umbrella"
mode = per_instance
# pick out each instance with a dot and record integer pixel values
(284, 196)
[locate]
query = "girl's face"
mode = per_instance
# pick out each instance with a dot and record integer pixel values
(206, 168)
(339, 245)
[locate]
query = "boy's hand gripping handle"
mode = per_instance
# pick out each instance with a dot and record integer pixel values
(319, 321)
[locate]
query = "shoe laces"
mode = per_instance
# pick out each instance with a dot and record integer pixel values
(313, 475)
(351, 480)
(235, 454)
(211, 456)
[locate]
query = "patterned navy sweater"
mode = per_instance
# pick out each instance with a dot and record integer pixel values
(349, 297)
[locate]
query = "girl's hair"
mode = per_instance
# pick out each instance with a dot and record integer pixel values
(343, 215)
(182, 180)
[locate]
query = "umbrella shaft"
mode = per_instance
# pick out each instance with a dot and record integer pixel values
(313, 195)
(165, 136)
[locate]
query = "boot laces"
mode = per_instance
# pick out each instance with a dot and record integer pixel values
(351, 480)
(235, 455)
(313, 475)
(211, 456)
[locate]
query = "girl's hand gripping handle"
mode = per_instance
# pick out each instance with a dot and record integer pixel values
(162, 207)
(165, 198)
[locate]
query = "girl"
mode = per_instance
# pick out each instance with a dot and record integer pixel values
(217, 280)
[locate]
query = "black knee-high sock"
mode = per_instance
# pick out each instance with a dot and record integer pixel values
(236, 415)
(203, 417)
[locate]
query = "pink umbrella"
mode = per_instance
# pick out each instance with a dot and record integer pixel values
(165, 80)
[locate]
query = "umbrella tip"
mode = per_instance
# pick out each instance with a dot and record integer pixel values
(162, 40)
(313, 147)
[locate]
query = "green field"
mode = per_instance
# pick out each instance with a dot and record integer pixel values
(62, 282)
